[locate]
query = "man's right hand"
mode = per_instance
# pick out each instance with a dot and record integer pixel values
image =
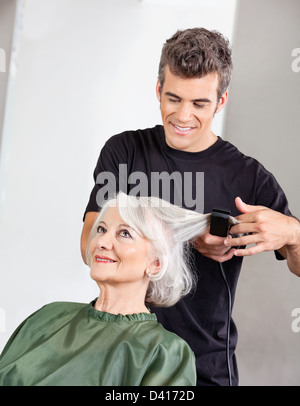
(213, 247)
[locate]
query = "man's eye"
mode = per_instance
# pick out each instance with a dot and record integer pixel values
(174, 100)
(199, 106)
(100, 229)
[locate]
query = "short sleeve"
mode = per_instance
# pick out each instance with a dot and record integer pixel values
(271, 195)
(106, 175)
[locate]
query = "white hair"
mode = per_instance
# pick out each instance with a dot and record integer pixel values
(170, 229)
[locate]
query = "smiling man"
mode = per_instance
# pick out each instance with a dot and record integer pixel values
(187, 109)
(193, 80)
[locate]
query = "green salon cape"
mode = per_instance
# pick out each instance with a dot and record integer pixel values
(66, 344)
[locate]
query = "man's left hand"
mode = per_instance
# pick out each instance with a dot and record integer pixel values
(270, 230)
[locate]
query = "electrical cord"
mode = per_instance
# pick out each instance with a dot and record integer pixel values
(220, 226)
(228, 325)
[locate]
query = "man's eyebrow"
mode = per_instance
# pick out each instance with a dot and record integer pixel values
(172, 95)
(202, 100)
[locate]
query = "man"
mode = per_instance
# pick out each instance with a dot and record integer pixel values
(185, 162)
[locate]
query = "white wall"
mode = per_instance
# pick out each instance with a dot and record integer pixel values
(85, 69)
(7, 22)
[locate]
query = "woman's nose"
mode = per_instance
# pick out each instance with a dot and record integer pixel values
(105, 241)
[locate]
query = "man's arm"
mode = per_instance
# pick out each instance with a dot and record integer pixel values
(292, 255)
(89, 220)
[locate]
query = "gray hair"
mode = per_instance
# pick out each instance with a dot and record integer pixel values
(170, 229)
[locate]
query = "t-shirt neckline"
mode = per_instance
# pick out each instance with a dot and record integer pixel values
(186, 155)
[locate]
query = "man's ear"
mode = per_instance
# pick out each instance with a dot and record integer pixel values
(222, 101)
(158, 90)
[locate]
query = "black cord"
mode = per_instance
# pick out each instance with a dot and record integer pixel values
(228, 325)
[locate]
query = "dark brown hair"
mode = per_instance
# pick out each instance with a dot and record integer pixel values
(197, 52)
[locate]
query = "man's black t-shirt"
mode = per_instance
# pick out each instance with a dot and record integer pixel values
(141, 162)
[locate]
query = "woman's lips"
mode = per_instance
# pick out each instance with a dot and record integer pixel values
(102, 259)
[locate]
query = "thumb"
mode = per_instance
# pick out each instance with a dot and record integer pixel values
(245, 208)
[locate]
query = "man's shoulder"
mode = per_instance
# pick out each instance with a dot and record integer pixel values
(232, 153)
(229, 148)
(134, 136)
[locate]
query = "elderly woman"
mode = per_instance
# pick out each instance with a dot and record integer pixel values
(137, 255)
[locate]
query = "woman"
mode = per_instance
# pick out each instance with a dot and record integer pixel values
(137, 254)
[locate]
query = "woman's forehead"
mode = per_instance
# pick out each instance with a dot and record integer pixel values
(113, 218)
(112, 215)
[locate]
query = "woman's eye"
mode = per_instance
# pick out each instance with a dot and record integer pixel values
(100, 229)
(125, 233)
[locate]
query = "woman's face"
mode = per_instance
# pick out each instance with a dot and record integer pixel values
(118, 253)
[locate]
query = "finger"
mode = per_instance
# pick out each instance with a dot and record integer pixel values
(243, 241)
(254, 217)
(246, 208)
(212, 253)
(256, 249)
(247, 218)
(223, 258)
(210, 239)
(243, 228)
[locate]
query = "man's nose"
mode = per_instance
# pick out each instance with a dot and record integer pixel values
(184, 113)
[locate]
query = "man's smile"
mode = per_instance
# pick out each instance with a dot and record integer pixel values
(180, 130)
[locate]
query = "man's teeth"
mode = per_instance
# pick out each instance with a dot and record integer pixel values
(183, 128)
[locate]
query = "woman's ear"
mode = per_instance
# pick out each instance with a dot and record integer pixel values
(154, 267)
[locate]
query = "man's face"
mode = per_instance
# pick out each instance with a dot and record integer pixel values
(187, 109)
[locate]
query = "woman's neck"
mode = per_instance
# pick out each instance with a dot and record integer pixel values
(120, 300)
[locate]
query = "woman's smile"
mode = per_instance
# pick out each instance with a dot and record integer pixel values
(103, 259)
